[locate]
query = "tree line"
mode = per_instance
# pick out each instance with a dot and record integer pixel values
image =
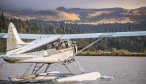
(133, 44)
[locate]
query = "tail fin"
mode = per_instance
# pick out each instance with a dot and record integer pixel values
(13, 39)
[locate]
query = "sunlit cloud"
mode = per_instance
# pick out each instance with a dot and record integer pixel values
(53, 4)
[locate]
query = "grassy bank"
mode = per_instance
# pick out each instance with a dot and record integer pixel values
(1, 53)
(111, 53)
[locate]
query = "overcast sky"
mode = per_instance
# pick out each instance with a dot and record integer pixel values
(53, 4)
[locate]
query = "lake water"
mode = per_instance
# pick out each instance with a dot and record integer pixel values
(125, 70)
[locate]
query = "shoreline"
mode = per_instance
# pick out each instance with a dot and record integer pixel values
(112, 53)
(111, 56)
(118, 55)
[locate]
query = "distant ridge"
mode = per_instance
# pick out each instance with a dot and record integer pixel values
(83, 16)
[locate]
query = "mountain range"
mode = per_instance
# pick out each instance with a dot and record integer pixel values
(83, 16)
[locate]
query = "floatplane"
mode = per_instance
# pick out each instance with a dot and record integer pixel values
(49, 49)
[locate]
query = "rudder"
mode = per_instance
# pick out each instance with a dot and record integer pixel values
(13, 39)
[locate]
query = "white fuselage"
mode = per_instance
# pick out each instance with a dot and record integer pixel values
(47, 56)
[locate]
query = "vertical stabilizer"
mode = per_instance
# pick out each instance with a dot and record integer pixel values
(13, 39)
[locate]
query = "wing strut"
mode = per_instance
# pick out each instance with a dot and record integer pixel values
(37, 68)
(77, 63)
(88, 45)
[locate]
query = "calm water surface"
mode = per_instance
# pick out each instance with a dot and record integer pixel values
(125, 70)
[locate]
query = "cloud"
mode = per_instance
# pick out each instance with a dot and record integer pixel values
(53, 4)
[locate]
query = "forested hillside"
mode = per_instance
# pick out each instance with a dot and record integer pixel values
(132, 44)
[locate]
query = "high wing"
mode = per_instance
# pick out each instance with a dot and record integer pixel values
(103, 35)
(80, 36)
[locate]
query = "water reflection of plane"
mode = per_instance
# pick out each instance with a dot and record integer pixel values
(50, 48)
